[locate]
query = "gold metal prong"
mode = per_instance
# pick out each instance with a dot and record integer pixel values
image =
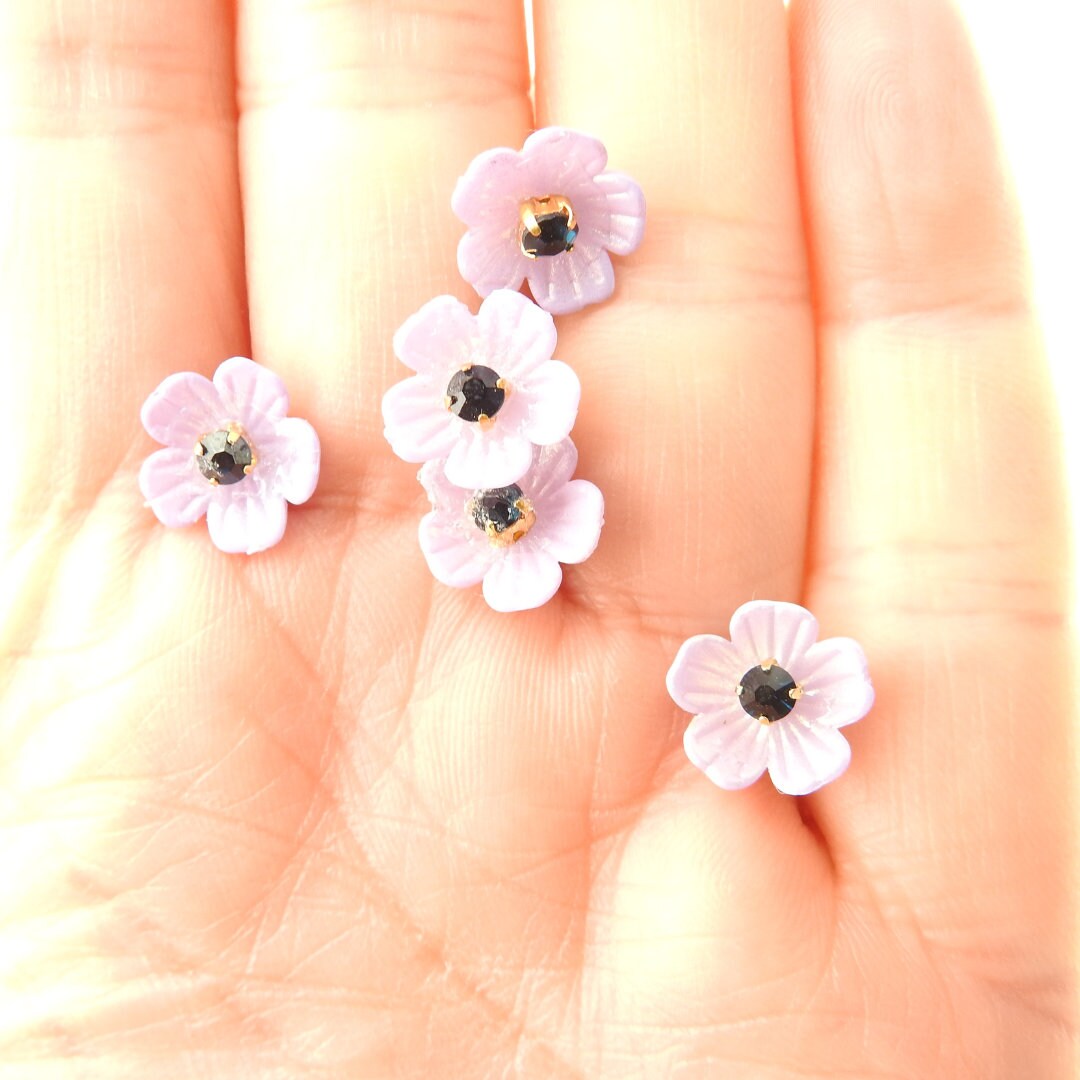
(448, 401)
(568, 210)
(764, 720)
(467, 367)
(795, 693)
(484, 421)
(738, 690)
(500, 384)
(214, 481)
(247, 470)
(766, 664)
(528, 219)
(199, 449)
(232, 436)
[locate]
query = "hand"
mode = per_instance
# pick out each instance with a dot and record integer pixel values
(312, 814)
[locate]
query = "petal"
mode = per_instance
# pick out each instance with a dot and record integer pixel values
(567, 282)
(835, 681)
(452, 558)
(246, 524)
(486, 459)
(251, 394)
(418, 427)
(518, 338)
(296, 454)
(626, 213)
(556, 159)
(569, 528)
(490, 188)
(183, 407)
(489, 258)
(437, 339)
(731, 749)
(440, 491)
(525, 577)
(804, 757)
(551, 469)
(173, 487)
(554, 393)
(705, 674)
(772, 630)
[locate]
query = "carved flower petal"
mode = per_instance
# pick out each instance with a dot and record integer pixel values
(251, 394)
(569, 522)
(246, 523)
(804, 757)
(440, 337)
(730, 747)
(525, 577)
(173, 487)
(182, 407)
(417, 428)
(772, 630)
(488, 459)
(295, 459)
(568, 282)
(705, 674)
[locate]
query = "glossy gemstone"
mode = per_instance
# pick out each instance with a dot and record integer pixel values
(496, 509)
(224, 456)
(474, 392)
(766, 692)
(555, 230)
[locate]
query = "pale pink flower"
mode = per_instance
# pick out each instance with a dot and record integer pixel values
(773, 697)
(485, 392)
(512, 538)
(549, 213)
(231, 454)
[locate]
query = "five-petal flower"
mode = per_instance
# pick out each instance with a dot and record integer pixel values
(549, 213)
(513, 537)
(485, 392)
(773, 697)
(231, 454)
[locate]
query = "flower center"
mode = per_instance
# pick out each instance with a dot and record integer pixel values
(475, 393)
(767, 692)
(224, 456)
(503, 513)
(548, 226)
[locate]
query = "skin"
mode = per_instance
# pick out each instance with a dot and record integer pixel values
(310, 814)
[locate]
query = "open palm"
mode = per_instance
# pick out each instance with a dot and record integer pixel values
(312, 814)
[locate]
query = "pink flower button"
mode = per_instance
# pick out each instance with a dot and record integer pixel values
(773, 697)
(513, 537)
(485, 392)
(231, 454)
(549, 213)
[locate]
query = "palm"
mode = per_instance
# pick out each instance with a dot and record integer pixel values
(310, 812)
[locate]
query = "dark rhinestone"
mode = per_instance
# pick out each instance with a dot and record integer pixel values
(473, 392)
(497, 507)
(555, 237)
(767, 692)
(221, 460)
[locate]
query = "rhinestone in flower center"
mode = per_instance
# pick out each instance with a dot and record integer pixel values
(224, 456)
(767, 692)
(475, 393)
(504, 514)
(548, 226)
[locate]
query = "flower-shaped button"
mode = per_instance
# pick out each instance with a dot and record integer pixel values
(231, 454)
(773, 697)
(549, 213)
(512, 537)
(485, 392)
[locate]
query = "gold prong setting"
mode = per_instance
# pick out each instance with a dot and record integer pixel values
(505, 515)
(475, 394)
(768, 692)
(548, 226)
(225, 456)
